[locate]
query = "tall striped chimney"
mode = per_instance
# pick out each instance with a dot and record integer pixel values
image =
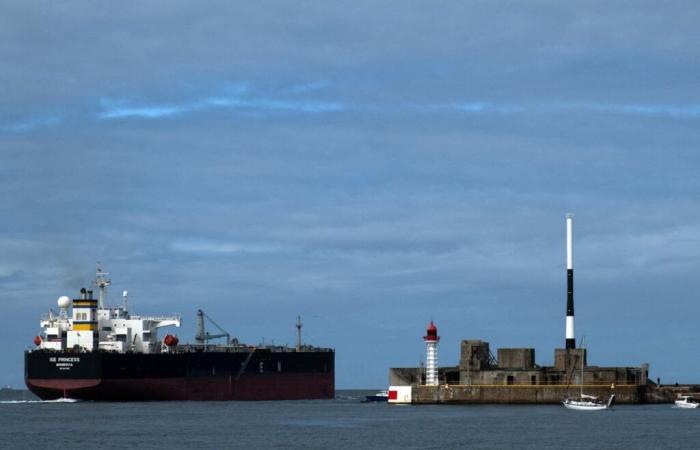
(570, 337)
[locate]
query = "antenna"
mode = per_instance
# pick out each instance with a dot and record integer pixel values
(125, 294)
(101, 281)
(299, 325)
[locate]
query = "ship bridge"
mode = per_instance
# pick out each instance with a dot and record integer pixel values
(86, 324)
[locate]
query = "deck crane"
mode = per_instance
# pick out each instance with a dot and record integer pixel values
(203, 337)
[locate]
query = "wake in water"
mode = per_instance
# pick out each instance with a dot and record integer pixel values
(58, 400)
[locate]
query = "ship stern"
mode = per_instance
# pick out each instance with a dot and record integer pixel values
(51, 375)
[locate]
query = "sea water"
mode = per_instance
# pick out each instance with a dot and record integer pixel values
(341, 423)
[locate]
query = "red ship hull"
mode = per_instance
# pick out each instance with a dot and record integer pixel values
(287, 387)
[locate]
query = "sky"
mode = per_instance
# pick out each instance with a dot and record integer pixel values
(370, 167)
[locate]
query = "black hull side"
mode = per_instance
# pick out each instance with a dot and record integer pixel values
(262, 375)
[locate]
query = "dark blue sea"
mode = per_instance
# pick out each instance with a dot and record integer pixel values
(341, 423)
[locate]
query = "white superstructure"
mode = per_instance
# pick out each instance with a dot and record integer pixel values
(90, 325)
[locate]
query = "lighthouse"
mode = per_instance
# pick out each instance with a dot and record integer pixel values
(431, 339)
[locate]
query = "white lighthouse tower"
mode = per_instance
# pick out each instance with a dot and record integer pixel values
(431, 339)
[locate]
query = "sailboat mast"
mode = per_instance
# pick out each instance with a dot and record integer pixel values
(581, 347)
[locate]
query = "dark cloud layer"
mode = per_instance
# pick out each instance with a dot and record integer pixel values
(369, 167)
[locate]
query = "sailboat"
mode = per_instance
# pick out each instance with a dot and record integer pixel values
(587, 402)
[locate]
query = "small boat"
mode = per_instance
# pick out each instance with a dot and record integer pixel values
(686, 402)
(381, 396)
(587, 402)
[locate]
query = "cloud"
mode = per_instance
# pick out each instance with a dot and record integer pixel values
(438, 187)
(487, 107)
(31, 123)
(148, 112)
(221, 247)
(660, 252)
(680, 111)
(263, 104)
(234, 99)
(637, 109)
(676, 111)
(309, 87)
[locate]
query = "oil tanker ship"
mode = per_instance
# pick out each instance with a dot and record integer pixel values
(90, 351)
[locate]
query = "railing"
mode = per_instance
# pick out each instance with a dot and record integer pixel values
(157, 318)
(184, 348)
(187, 348)
(553, 385)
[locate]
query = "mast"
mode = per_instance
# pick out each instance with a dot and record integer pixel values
(200, 337)
(101, 281)
(299, 325)
(125, 294)
(581, 350)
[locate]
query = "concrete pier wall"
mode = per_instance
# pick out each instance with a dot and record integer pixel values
(630, 394)
(668, 394)
(515, 378)
(514, 394)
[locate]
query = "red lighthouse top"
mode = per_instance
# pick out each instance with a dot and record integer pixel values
(431, 333)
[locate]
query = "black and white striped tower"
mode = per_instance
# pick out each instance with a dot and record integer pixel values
(570, 337)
